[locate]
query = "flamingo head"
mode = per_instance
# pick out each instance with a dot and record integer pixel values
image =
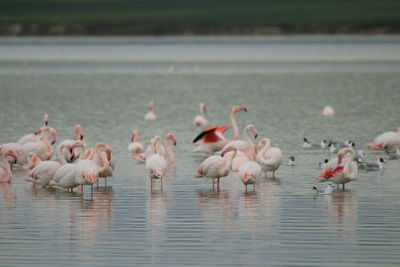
(33, 160)
(151, 105)
(10, 153)
(134, 136)
(46, 119)
(78, 143)
(228, 149)
(38, 131)
(264, 142)
(78, 132)
(53, 134)
(245, 177)
(171, 137)
(238, 108)
(252, 129)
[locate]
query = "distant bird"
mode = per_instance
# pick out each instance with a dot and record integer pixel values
(33, 137)
(328, 111)
(360, 155)
(373, 166)
(321, 165)
(135, 147)
(150, 116)
(200, 120)
(291, 161)
(323, 144)
(328, 190)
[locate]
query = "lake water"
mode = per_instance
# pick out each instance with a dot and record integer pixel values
(104, 84)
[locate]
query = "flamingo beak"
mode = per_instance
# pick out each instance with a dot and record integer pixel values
(173, 139)
(54, 140)
(38, 131)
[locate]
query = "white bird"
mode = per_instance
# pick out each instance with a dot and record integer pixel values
(200, 120)
(373, 166)
(217, 166)
(249, 172)
(135, 147)
(42, 148)
(395, 155)
(150, 116)
(5, 169)
(328, 190)
(328, 111)
(103, 158)
(388, 140)
(246, 146)
(321, 165)
(156, 164)
(291, 161)
(307, 144)
(79, 136)
(33, 137)
(269, 158)
(22, 156)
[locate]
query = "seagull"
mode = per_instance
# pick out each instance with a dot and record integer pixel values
(321, 165)
(291, 161)
(395, 155)
(327, 191)
(374, 166)
(308, 144)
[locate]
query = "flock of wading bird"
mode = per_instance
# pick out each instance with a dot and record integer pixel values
(79, 165)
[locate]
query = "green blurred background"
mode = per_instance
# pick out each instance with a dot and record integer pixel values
(160, 17)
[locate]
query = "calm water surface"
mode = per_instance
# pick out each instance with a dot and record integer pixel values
(105, 83)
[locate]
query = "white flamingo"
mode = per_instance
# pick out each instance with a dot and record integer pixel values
(156, 164)
(107, 156)
(200, 120)
(150, 116)
(339, 171)
(42, 148)
(388, 140)
(78, 134)
(5, 169)
(246, 146)
(217, 166)
(135, 148)
(269, 158)
(22, 156)
(42, 172)
(249, 172)
(33, 137)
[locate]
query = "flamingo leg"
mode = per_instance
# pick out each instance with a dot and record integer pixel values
(337, 186)
(97, 182)
(161, 185)
(343, 186)
(151, 184)
(218, 184)
(91, 191)
(82, 190)
(213, 181)
(273, 174)
(246, 188)
(254, 187)
(105, 182)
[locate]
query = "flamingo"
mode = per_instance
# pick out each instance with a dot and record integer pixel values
(135, 148)
(78, 133)
(246, 146)
(162, 150)
(340, 172)
(388, 140)
(41, 148)
(33, 137)
(249, 172)
(22, 155)
(217, 166)
(269, 158)
(212, 137)
(199, 120)
(107, 156)
(5, 169)
(150, 116)
(42, 172)
(156, 164)
(328, 111)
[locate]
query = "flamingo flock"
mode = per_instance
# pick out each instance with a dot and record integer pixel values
(77, 164)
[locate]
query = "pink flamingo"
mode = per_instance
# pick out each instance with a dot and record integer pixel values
(33, 137)
(217, 166)
(22, 156)
(156, 164)
(107, 156)
(42, 172)
(5, 169)
(246, 146)
(340, 171)
(41, 148)
(78, 133)
(249, 172)
(212, 138)
(136, 148)
(199, 120)
(269, 158)
(150, 116)
(388, 140)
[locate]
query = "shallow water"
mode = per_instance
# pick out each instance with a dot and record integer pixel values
(105, 83)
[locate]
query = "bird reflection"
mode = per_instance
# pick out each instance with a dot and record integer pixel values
(217, 203)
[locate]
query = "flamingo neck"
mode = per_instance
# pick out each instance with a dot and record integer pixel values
(171, 157)
(246, 136)
(35, 160)
(6, 164)
(348, 168)
(229, 159)
(104, 161)
(60, 156)
(48, 147)
(234, 126)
